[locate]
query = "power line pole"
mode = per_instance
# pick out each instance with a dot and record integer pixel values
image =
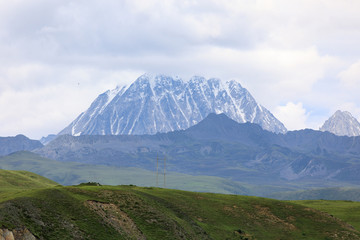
(164, 171)
(157, 170)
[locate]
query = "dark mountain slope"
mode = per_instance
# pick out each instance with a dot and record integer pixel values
(310, 140)
(220, 127)
(18, 143)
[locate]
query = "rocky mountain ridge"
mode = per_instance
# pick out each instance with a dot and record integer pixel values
(160, 103)
(18, 143)
(342, 123)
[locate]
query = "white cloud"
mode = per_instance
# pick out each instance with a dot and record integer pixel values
(282, 51)
(37, 109)
(293, 115)
(271, 75)
(350, 77)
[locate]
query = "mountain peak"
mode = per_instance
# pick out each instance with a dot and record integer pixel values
(342, 123)
(216, 119)
(219, 127)
(158, 79)
(342, 113)
(162, 103)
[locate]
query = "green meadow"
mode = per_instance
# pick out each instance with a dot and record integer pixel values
(86, 211)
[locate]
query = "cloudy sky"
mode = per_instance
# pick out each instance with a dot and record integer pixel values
(299, 59)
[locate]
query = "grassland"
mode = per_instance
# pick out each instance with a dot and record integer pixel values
(13, 183)
(348, 211)
(23, 180)
(130, 212)
(52, 211)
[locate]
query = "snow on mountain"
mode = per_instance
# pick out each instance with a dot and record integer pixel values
(160, 103)
(47, 139)
(342, 124)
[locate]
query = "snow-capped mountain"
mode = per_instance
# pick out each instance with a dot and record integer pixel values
(160, 103)
(342, 124)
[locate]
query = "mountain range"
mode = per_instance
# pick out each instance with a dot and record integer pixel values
(219, 146)
(165, 118)
(218, 152)
(160, 103)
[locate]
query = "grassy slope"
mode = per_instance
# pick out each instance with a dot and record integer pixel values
(63, 213)
(13, 183)
(23, 179)
(345, 210)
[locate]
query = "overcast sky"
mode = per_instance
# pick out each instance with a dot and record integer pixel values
(299, 59)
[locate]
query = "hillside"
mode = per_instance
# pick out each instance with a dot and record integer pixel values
(129, 212)
(15, 183)
(345, 210)
(23, 180)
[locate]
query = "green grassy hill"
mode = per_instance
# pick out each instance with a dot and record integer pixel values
(130, 212)
(23, 179)
(345, 210)
(16, 182)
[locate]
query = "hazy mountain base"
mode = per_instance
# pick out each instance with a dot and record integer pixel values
(126, 212)
(71, 173)
(274, 165)
(340, 193)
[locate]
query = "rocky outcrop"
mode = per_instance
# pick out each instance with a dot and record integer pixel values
(117, 219)
(16, 234)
